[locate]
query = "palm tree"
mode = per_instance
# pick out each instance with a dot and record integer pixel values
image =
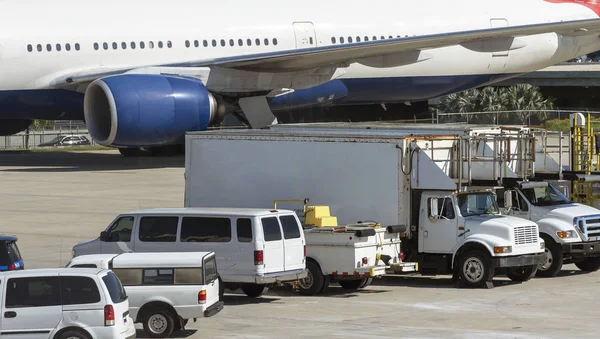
(524, 98)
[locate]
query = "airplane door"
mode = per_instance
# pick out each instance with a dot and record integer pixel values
(498, 23)
(305, 35)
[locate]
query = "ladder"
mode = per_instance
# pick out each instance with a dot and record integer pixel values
(583, 153)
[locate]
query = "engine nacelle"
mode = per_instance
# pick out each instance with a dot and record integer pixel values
(142, 110)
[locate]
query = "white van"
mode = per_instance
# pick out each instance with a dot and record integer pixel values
(165, 289)
(64, 304)
(255, 248)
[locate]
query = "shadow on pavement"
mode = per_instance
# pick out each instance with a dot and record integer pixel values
(178, 334)
(64, 161)
(432, 282)
(242, 299)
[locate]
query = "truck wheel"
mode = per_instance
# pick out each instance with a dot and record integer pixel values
(159, 323)
(554, 259)
(589, 264)
(350, 284)
(365, 282)
(314, 282)
(521, 273)
(475, 269)
(254, 290)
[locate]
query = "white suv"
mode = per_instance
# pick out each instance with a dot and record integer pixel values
(64, 304)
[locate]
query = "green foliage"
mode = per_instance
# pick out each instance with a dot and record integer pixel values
(519, 100)
(563, 124)
(38, 125)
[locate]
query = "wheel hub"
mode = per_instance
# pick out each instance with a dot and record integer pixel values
(307, 282)
(549, 259)
(157, 323)
(473, 270)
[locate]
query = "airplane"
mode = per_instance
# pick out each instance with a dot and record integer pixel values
(141, 73)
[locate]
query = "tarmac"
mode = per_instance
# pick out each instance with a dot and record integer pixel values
(52, 200)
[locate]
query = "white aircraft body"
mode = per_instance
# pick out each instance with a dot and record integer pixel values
(143, 72)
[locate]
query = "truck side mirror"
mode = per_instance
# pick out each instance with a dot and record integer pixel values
(433, 208)
(104, 236)
(508, 199)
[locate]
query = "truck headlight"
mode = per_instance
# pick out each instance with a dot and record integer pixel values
(542, 245)
(502, 249)
(566, 234)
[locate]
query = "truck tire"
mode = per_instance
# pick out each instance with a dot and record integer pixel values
(158, 323)
(475, 268)
(521, 274)
(589, 264)
(350, 284)
(365, 282)
(314, 282)
(554, 259)
(254, 290)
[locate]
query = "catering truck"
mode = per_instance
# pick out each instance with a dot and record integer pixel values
(379, 175)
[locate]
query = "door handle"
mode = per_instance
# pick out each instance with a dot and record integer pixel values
(10, 314)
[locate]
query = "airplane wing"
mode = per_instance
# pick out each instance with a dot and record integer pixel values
(333, 56)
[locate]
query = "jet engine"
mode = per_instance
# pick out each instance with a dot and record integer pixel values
(144, 110)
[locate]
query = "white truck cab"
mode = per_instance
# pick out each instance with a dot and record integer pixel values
(63, 303)
(255, 248)
(571, 231)
(165, 289)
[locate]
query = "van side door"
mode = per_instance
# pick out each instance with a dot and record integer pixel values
(293, 242)
(31, 307)
(118, 237)
(273, 253)
(156, 233)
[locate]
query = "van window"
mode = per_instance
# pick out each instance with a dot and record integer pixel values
(210, 270)
(158, 277)
(271, 230)
(290, 227)
(121, 230)
(114, 287)
(244, 230)
(84, 266)
(158, 229)
(32, 292)
(79, 290)
(129, 276)
(205, 229)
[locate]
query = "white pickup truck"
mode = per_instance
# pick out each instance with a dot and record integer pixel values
(351, 255)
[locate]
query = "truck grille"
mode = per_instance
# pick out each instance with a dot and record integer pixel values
(526, 235)
(589, 226)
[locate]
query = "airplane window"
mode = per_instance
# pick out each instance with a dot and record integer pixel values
(231, 42)
(58, 47)
(169, 44)
(114, 45)
(49, 47)
(132, 45)
(349, 39)
(68, 47)
(257, 42)
(151, 44)
(274, 41)
(205, 43)
(382, 37)
(249, 42)
(341, 40)
(39, 48)
(96, 46)
(105, 45)
(77, 47)
(160, 44)
(374, 37)
(222, 43)
(391, 37)
(29, 48)
(366, 38)
(123, 45)
(187, 43)
(214, 43)
(197, 43)
(142, 45)
(333, 40)
(240, 42)
(266, 42)
(311, 40)
(357, 39)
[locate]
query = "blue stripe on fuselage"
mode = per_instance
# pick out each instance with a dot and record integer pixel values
(61, 104)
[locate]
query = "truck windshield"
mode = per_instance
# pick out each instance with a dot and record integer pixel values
(477, 204)
(545, 196)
